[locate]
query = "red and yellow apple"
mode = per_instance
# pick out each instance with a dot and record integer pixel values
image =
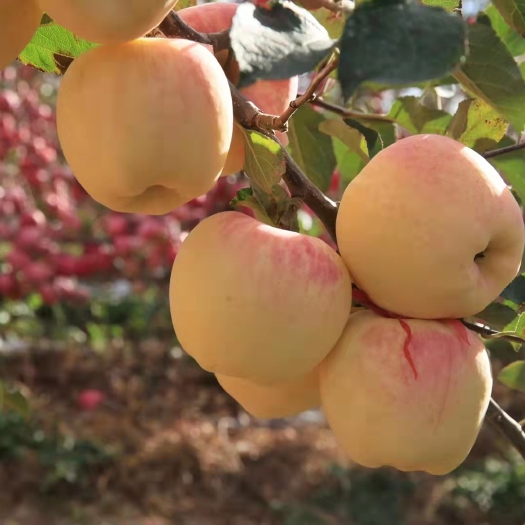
(429, 229)
(145, 126)
(256, 302)
(409, 394)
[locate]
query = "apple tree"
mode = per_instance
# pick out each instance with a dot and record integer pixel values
(370, 253)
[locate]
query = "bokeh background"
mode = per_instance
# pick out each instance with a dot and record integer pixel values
(107, 421)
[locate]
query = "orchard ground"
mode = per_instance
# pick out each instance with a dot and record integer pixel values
(166, 445)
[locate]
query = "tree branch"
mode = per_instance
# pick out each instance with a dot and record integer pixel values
(502, 151)
(489, 333)
(505, 425)
(174, 27)
(347, 113)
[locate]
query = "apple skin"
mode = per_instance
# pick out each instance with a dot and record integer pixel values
(139, 149)
(428, 229)
(252, 301)
(108, 21)
(19, 20)
(409, 394)
(274, 401)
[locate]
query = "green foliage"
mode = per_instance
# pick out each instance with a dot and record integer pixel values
(310, 149)
(492, 74)
(513, 375)
(383, 42)
(53, 48)
(360, 496)
(63, 459)
(494, 487)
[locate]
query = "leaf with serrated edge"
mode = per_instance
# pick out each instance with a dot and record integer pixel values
(53, 47)
(513, 12)
(350, 137)
(311, 150)
(514, 42)
(513, 376)
(491, 73)
(277, 42)
(477, 125)
(264, 162)
(398, 42)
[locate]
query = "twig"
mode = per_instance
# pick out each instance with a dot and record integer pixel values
(502, 151)
(174, 27)
(489, 333)
(280, 122)
(504, 424)
(347, 113)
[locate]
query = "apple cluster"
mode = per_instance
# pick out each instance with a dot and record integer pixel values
(428, 233)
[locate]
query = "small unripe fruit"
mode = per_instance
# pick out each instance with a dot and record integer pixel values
(145, 126)
(19, 20)
(256, 302)
(108, 21)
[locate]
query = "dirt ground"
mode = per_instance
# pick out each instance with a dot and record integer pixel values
(184, 453)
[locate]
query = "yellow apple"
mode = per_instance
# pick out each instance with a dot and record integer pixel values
(146, 126)
(274, 401)
(256, 302)
(19, 20)
(108, 21)
(429, 229)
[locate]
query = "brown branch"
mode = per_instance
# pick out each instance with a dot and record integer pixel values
(347, 113)
(280, 122)
(505, 425)
(502, 151)
(174, 27)
(489, 333)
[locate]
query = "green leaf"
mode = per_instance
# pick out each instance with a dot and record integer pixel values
(378, 135)
(447, 5)
(492, 74)
(264, 164)
(417, 118)
(510, 166)
(16, 401)
(513, 376)
(515, 43)
(277, 41)
(246, 198)
(53, 48)
(333, 24)
(513, 12)
(398, 42)
(311, 150)
(349, 163)
(497, 315)
(477, 125)
(350, 137)
(515, 291)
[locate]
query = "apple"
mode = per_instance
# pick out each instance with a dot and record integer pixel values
(429, 229)
(274, 401)
(256, 302)
(409, 394)
(147, 158)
